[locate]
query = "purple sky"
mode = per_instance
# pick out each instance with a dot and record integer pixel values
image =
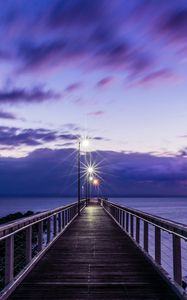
(113, 70)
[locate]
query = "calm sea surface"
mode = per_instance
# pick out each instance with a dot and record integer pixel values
(171, 208)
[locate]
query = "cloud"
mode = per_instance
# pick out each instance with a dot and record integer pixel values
(175, 24)
(46, 172)
(104, 82)
(92, 35)
(69, 137)
(98, 113)
(13, 136)
(73, 87)
(7, 115)
(91, 41)
(160, 76)
(77, 12)
(72, 127)
(18, 95)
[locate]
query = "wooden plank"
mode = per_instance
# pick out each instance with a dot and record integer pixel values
(94, 259)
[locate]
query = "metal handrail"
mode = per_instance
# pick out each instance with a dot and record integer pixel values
(162, 223)
(55, 221)
(21, 224)
(138, 226)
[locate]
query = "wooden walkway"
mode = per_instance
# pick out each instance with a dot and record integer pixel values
(93, 259)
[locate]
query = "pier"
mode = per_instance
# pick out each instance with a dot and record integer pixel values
(105, 253)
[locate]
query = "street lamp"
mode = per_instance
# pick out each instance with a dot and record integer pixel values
(96, 182)
(90, 171)
(85, 143)
(91, 178)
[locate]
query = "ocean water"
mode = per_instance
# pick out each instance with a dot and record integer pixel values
(23, 204)
(174, 209)
(171, 208)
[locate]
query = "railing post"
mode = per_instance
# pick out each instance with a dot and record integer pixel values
(40, 236)
(137, 230)
(59, 222)
(54, 225)
(48, 230)
(113, 211)
(65, 213)
(9, 259)
(28, 244)
(146, 245)
(69, 215)
(63, 221)
(177, 270)
(132, 225)
(127, 222)
(157, 245)
(123, 225)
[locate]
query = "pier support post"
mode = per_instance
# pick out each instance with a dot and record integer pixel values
(9, 259)
(132, 225)
(40, 236)
(138, 230)
(157, 245)
(177, 270)
(59, 222)
(127, 222)
(54, 225)
(146, 245)
(48, 230)
(28, 244)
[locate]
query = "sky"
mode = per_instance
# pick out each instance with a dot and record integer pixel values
(115, 71)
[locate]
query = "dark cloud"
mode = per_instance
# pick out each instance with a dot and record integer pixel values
(100, 138)
(46, 172)
(119, 36)
(175, 23)
(69, 137)
(36, 94)
(7, 115)
(85, 34)
(46, 55)
(13, 136)
(75, 13)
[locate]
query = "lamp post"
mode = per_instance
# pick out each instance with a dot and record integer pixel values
(85, 144)
(90, 173)
(79, 176)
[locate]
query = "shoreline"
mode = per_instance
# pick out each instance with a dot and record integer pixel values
(15, 216)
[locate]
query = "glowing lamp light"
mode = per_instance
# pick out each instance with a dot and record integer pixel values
(85, 143)
(91, 178)
(96, 182)
(90, 170)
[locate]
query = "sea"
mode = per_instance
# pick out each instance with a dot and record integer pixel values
(174, 208)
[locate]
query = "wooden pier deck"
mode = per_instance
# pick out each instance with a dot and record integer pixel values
(93, 259)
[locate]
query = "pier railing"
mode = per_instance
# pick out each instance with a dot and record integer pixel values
(162, 241)
(25, 241)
